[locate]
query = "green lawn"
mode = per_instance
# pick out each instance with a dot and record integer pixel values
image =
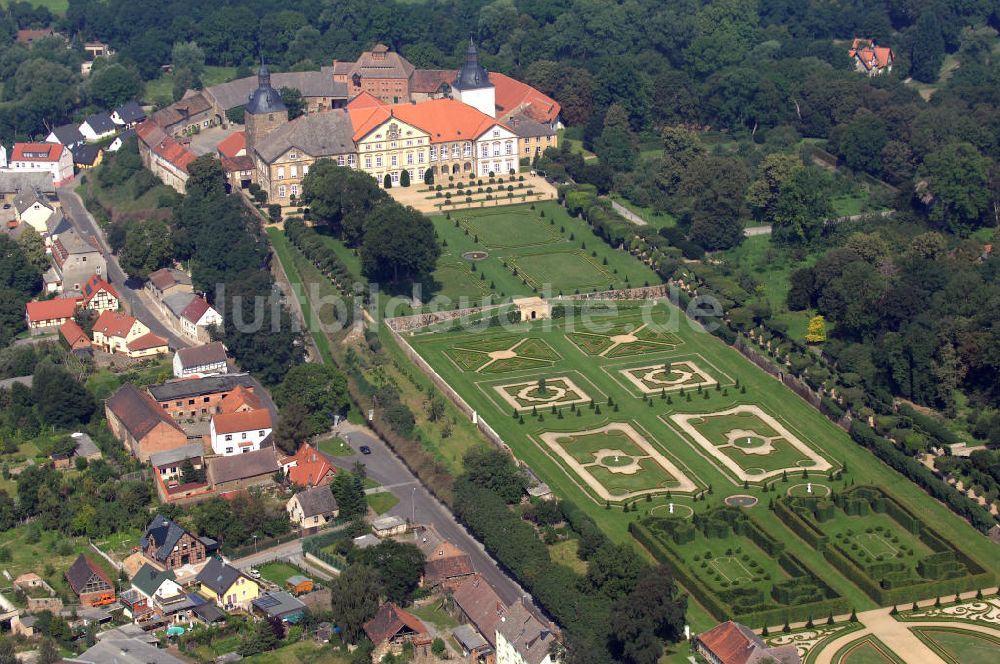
(335, 447)
(278, 572)
(648, 214)
(599, 377)
(868, 649)
(303, 652)
(435, 615)
(162, 88)
(958, 646)
(305, 277)
(565, 553)
(382, 502)
(57, 7)
(538, 247)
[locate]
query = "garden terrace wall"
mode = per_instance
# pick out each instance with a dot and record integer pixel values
(811, 532)
(719, 608)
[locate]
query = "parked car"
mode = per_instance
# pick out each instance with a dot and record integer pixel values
(365, 449)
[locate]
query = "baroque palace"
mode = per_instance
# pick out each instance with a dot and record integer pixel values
(379, 114)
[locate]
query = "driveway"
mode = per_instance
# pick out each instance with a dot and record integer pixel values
(417, 503)
(130, 290)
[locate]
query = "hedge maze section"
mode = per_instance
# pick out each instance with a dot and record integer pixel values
(885, 549)
(616, 462)
(750, 444)
(735, 569)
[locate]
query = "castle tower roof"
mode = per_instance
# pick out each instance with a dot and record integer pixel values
(472, 76)
(265, 99)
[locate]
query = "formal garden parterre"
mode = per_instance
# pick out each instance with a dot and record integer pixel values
(793, 449)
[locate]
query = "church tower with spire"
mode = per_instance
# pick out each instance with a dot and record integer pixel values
(472, 86)
(265, 111)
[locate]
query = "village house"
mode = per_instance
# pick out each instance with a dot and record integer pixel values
(446, 567)
(192, 113)
(307, 467)
(388, 526)
(871, 59)
(13, 185)
(46, 315)
(84, 447)
(279, 605)
(117, 332)
(34, 208)
(98, 295)
(76, 339)
(240, 472)
(192, 314)
(116, 144)
(74, 259)
(391, 627)
(98, 126)
(733, 643)
(50, 158)
(205, 360)
(169, 473)
(475, 602)
(28, 36)
(312, 508)
(168, 546)
(141, 424)
(198, 398)
(128, 115)
(88, 156)
(67, 135)
(522, 638)
(240, 432)
(227, 586)
(163, 154)
(90, 582)
(168, 281)
(150, 586)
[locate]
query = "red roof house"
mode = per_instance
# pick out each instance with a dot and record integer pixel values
(99, 295)
(234, 145)
(733, 643)
(308, 467)
(391, 628)
(50, 313)
(74, 336)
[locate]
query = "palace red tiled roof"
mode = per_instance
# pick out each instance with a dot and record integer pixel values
(513, 95)
(233, 145)
(164, 145)
(61, 307)
(446, 120)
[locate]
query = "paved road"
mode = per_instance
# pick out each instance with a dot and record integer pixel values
(417, 503)
(130, 290)
(281, 551)
(628, 214)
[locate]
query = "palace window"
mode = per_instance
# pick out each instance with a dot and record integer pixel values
(486, 150)
(395, 177)
(351, 161)
(467, 150)
(281, 191)
(484, 169)
(281, 172)
(295, 190)
(305, 170)
(509, 148)
(293, 171)
(393, 145)
(454, 151)
(378, 162)
(496, 149)
(420, 157)
(293, 155)
(368, 162)
(340, 160)
(395, 160)
(434, 153)
(409, 157)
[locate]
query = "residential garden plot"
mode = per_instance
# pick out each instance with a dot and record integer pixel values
(752, 445)
(545, 392)
(574, 266)
(734, 568)
(617, 462)
(669, 376)
(509, 229)
(629, 339)
(960, 646)
(501, 354)
(882, 547)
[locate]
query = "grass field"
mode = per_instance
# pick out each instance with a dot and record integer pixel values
(57, 7)
(278, 572)
(163, 87)
(649, 416)
(565, 553)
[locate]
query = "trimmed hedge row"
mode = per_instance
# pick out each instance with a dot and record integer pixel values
(922, 476)
(945, 556)
(310, 243)
(722, 609)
